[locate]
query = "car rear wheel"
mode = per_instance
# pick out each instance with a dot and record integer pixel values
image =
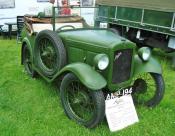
(27, 61)
(85, 106)
(49, 51)
(148, 89)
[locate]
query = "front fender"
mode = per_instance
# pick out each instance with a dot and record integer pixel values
(152, 66)
(86, 74)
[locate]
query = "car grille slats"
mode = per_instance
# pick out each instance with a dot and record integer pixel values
(122, 65)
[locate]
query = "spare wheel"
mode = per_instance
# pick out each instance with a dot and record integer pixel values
(49, 53)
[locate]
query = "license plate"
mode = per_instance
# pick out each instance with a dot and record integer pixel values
(119, 93)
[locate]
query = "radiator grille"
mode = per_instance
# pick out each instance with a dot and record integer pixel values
(122, 65)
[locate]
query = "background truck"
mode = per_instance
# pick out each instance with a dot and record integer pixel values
(145, 22)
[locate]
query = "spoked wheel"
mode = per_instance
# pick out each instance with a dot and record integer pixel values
(27, 61)
(84, 106)
(148, 89)
(47, 54)
(50, 55)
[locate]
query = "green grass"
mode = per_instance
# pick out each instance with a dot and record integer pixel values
(31, 107)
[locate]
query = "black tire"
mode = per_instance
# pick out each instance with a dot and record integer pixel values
(49, 53)
(156, 94)
(95, 97)
(27, 61)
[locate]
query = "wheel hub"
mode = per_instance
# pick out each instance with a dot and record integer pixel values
(140, 86)
(48, 52)
(81, 98)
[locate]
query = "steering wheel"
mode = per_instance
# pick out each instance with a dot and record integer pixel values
(69, 26)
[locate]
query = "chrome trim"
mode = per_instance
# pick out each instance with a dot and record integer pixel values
(173, 23)
(143, 12)
(116, 12)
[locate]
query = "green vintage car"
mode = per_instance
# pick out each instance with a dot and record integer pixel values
(91, 63)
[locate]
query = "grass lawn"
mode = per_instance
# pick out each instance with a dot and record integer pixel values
(31, 107)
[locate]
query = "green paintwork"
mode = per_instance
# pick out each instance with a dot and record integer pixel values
(86, 74)
(155, 18)
(151, 66)
(83, 48)
(160, 5)
(27, 43)
(132, 14)
(98, 38)
(41, 15)
(82, 45)
(146, 19)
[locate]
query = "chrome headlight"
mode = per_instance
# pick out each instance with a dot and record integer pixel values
(144, 53)
(101, 61)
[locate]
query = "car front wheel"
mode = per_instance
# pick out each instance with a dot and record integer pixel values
(148, 89)
(85, 106)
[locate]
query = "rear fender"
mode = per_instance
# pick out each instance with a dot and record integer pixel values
(26, 42)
